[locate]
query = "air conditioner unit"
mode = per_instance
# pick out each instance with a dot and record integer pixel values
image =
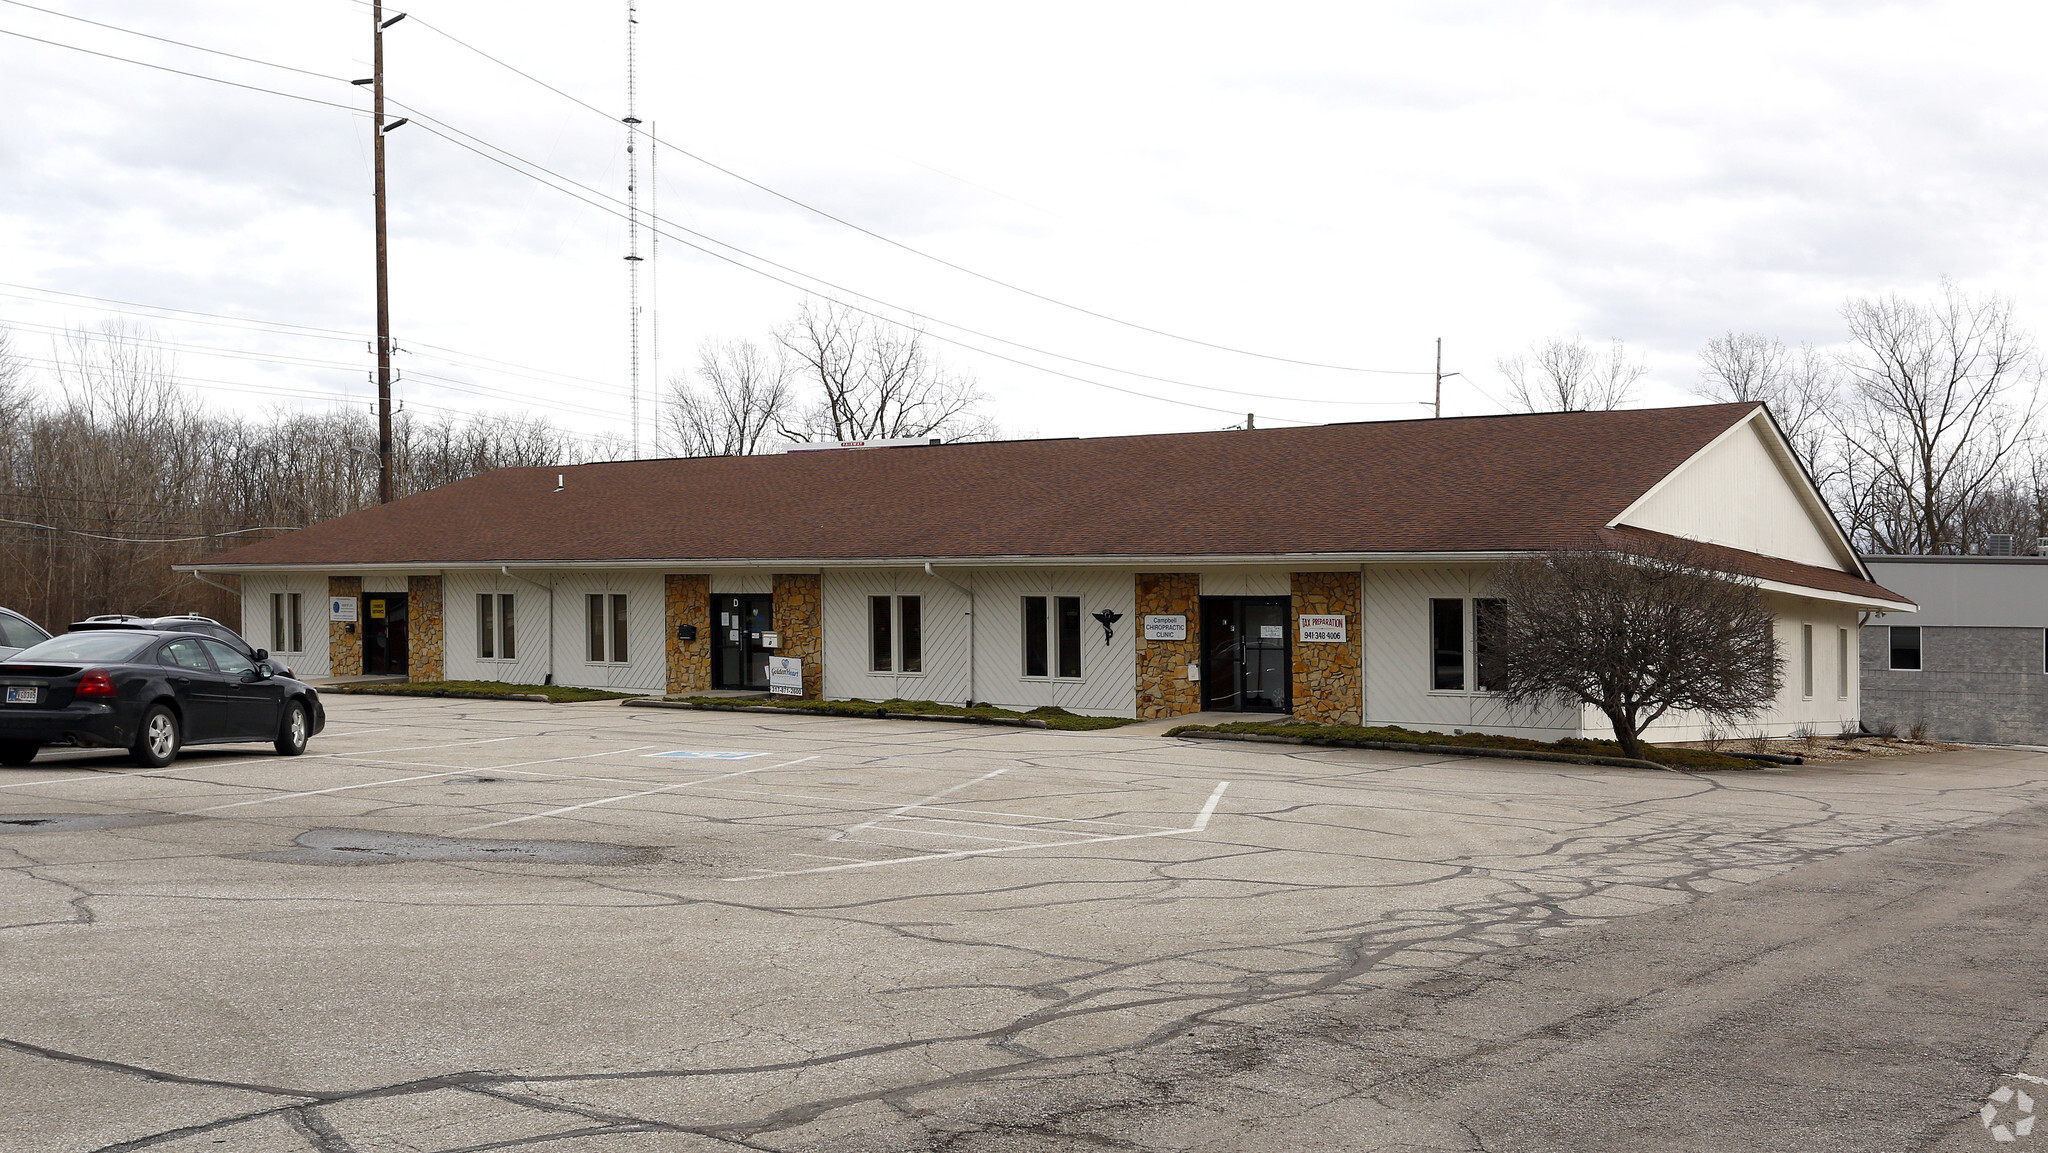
(1998, 544)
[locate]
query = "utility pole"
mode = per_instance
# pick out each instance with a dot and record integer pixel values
(378, 24)
(633, 258)
(1439, 377)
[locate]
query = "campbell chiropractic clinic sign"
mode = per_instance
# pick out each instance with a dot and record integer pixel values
(1322, 629)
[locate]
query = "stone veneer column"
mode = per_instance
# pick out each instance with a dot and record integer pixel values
(345, 649)
(1164, 689)
(1329, 681)
(799, 621)
(424, 633)
(688, 600)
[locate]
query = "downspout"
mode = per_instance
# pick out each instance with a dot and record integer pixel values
(551, 617)
(928, 571)
(201, 578)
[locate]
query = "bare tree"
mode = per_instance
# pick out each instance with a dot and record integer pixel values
(1802, 388)
(1562, 375)
(1634, 634)
(1945, 394)
(744, 396)
(876, 380)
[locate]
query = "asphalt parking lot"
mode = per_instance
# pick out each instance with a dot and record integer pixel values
(461, 925)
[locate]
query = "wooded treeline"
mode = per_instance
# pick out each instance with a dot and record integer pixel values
(1922, 425)
(115, 474)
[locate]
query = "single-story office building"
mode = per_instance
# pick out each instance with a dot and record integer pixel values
(1972, 664)
(1330, 571)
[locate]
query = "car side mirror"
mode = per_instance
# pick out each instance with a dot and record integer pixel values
(262, 655)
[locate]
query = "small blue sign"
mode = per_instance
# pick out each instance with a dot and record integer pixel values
(703, 755)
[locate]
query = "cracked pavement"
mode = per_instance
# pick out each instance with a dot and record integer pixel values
(867, 935)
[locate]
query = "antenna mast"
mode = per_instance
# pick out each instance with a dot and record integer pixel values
(654, 275)
(632, 123)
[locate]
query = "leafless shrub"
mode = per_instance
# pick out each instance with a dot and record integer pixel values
(1635, 635)
(1712, 738)
(1918, 732)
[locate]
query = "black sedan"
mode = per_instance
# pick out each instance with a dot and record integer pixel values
(150, 692)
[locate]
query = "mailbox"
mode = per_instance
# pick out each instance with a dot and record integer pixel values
(686, 632)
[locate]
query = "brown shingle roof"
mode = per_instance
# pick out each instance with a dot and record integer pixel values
(1503, 483)
(1750, 564)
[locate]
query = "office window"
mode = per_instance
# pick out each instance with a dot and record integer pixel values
(1447, 644)
(880, 647)
(1842, 664)
(1034, 637)
(606, 613)
(287, 632)
(1069, 614)
(494, 626)
(1806, 661)
(910, 623)
(1486, 622)
(1905, 647)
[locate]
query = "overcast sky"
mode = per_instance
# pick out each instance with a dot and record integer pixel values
(1336, 183)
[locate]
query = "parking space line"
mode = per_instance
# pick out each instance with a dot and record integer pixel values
(395, 780)
(944, 833)
(902, 809)
(1201, 823)
(631, 796)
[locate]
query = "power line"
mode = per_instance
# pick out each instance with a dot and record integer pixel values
(144, 539)
(719, 256)
(894, 243)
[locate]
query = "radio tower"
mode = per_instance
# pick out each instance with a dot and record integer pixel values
(632, 123)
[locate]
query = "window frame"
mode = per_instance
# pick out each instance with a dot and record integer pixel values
(496, 628)
(1437, 649)
(1806, 660)
(1037, 612)
(910, 636)
(287, 623)
(1841, 664)
(881, 635)
(1067, 635)
(1891, 647)
(606, 619)
(1479, 614)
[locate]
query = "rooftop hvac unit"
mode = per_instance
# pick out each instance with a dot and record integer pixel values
(2041, 546)
(1998, 544)
(894, 442)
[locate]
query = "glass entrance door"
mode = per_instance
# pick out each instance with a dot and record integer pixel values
(1246, 666)
(738, 658)
(384, 633)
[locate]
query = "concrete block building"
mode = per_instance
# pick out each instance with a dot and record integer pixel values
(1331, 572)
(1972, 664)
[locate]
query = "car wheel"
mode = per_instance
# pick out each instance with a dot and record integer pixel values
(291, 731)
(157, 741)
(18, 752)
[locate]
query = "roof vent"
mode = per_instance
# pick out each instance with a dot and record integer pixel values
(1998, 544)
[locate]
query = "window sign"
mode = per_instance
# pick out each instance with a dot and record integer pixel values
(377, 608)
(341, 609)
(771, 640)
(1272, 632)
(1325, 629)
(786, 676)
(1166, 627)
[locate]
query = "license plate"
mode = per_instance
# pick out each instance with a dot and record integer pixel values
(22, 696)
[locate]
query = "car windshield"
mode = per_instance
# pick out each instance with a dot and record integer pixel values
(93, 646)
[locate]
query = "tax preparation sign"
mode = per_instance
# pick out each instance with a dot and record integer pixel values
(1323, 629)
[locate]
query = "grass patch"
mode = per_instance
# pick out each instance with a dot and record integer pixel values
(1053, 716)
(1393, 734)
(487, 691)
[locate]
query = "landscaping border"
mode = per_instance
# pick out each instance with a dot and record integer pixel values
(1419, 747)
(878, 714)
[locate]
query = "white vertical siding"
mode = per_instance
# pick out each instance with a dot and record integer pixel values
(1247, 582)
(461, 644)
(313, 661)
(735, 581)
(848, 671)
(1738, 493)
(646, 624)
(1109, 672)
(1397, 659)
(1825, 713)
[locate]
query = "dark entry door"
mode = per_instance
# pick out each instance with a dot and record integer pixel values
(384, 634)
(738, 658)
(1244, 644)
